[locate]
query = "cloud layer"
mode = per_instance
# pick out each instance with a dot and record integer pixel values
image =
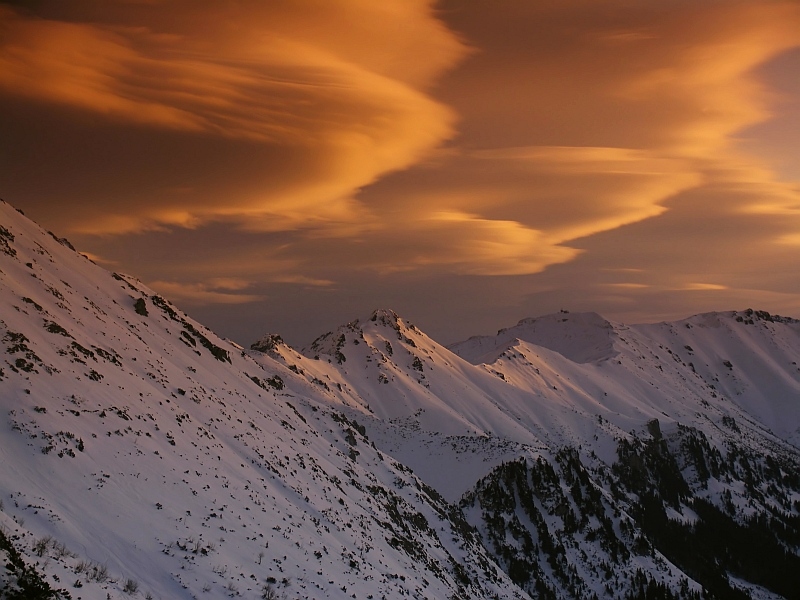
(623, 156)
(327, 96)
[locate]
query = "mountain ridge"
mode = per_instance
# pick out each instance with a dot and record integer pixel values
(144, 455)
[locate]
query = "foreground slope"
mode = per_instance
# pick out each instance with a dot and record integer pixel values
(142, 454)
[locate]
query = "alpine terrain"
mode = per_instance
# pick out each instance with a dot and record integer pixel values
(142, 456)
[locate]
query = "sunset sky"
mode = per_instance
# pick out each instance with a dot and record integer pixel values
(290, 165)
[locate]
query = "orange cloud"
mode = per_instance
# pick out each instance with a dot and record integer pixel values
(202, 293)
(704, 287)
(305, 139)
(339, 86)
(792, 239)
(488, 246)
(647, 106)
(81, 65)
(628, 286)
(584, 190)
(700, 77)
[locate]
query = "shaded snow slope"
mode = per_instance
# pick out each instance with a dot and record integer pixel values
(743, 363)
(579, 337)
(749, 357)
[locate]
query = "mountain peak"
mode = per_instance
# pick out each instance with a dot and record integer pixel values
(268, 343)
(331, 343)
(385, 316)
(389, 318)
(587, 319)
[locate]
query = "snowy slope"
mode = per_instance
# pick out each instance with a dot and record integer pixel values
(580, 337)
(750, 357)
(565, 457)
(732, 364)
(139, 445)
(699, 411)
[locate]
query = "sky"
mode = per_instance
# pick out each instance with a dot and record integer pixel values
(289, 166)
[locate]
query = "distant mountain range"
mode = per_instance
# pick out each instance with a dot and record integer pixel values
(567, 456)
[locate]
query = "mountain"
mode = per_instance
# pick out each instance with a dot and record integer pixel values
(611, 442)
(694, 439)
(141, 452)
(565, 457)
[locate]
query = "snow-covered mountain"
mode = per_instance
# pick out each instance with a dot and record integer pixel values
(565, 457)
(141, 451)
